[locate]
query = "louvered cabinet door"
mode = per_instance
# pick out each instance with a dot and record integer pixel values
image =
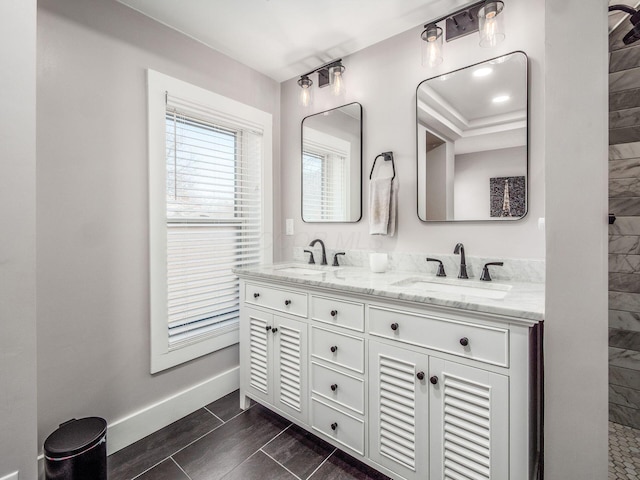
(398, 415)
(290, 357)
(256, 351)
(469, 423)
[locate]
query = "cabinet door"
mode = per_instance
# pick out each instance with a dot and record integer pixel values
(257, 352)
(469, 423)
(290, 367)
(398, 415)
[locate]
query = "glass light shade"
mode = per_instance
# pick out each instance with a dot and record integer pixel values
(336, 80)
(305, 99)
(491, 23)
(431, 46)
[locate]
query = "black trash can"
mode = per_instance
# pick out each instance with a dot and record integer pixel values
(77, 450)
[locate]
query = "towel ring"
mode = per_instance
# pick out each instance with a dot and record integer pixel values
(388, 156)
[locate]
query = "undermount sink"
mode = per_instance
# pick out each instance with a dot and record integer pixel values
(492, 291)
(300, 271)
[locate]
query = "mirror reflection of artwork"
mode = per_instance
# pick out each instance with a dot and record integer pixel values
(472, 126)
(507, 196)
(332, 165)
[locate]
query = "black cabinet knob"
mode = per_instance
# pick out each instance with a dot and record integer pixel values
(464, 341)
(433, 380)
(287, 302)
(256, 295)
(420, 375)
(334, 426)
(274, 330)
(334, 349)
(394, 326)
(334, 387)
(334, 313)
(267, 328)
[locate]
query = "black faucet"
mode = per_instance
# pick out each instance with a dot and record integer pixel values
(311, 260)
(463, 261)
(324, 252)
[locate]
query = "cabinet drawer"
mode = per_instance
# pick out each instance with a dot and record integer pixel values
(483, 343)
(285, 301)
(342, 389)
(341, 427)
(338, 312)
(337, 348)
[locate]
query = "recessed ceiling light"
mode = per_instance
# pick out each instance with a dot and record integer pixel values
(501, 98)
(482, 72)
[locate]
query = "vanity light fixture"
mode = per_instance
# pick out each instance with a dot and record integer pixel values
(483, 17)
(329, 74)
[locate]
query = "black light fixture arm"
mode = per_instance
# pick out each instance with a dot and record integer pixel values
(332, 63)
(633, 35)
(452, 15)
(623, 8)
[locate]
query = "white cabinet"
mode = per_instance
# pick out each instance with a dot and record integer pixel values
(417, 392)
(274, 353)
(469, 422)
(398, 418)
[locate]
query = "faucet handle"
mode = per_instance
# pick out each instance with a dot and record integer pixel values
(311, 259)
(441, 272)
(335, 259)
(485, 271)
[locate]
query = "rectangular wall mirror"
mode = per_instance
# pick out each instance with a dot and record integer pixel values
(332, 165)
(472, 151)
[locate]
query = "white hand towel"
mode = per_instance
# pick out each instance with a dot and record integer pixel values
(382, 206)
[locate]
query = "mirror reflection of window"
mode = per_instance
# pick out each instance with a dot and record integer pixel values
(332, 165)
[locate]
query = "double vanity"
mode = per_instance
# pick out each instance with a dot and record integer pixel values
(419, 376)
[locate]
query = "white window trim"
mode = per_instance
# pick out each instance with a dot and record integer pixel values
(158, 85)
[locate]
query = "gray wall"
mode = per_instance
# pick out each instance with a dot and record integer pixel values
(624, 235)
(92, 234)
(18, 448)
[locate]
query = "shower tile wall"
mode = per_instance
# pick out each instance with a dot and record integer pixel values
(624, 235)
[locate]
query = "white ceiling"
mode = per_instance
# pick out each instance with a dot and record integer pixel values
(286, 38)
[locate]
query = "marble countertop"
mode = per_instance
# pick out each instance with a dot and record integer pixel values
(514, 299)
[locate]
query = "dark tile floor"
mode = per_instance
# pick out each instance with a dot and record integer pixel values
(220, 441)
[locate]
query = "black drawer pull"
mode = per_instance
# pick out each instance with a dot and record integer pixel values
(420, 375)
(433, 380)
(334, 426)
(267, 328)
(287, 302)
(334, 349)
(334, 387)
(274, 330)
(464, 341)
(394, 326)
(334, 313)
(256, 295)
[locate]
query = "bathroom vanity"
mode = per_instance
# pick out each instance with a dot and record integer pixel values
(419, 377)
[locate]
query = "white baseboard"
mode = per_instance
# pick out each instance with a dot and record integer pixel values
(11, 476)
(138, 425)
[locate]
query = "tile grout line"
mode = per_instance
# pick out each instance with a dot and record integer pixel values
(296, 476)
(150, 468)
(180, 467)
(214, 414)
(320, 466)
(284, 430)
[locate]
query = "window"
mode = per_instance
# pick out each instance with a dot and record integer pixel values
(208, 214)
(325, 176)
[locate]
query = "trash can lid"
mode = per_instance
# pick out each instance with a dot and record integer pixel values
(75, 436)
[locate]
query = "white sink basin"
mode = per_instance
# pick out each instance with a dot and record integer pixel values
(300, 271)
(492, 291)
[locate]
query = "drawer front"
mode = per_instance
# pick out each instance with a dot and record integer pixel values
(339, 426)
(285, 301)
(337, 348)
(338, 312)
(345, 390)
(486, 344)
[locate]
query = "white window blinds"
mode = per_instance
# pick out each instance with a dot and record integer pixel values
(213, 205)
(325, 192)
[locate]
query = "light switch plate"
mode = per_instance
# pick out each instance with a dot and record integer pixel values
(11, 476)
(289, 226)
